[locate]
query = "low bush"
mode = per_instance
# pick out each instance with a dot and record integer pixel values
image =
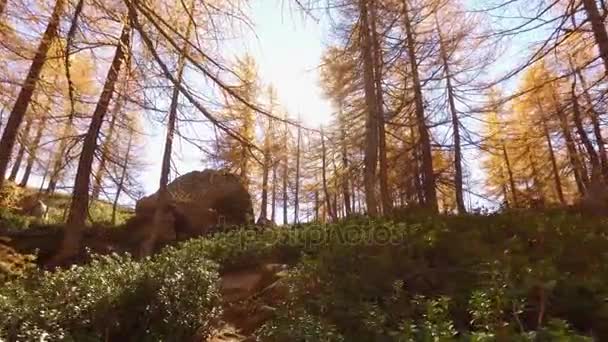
(171, 297)
(508, 277)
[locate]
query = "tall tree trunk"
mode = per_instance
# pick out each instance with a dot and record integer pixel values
(510, 173)
(555, 169)
(580, 175)
(371, 120)
(599, 30)
(328, 208)
(416, 176)
(296, 209)
(80, 198)
(123, 175)
(27, 90)
(265, 171)
(34, 150)
(578, 123)
(538, 184)
(505, 195)
(286, 175)
(430, 193)
(159, 229)
(385, 194)
(105, 151)
(455, 122)
(595, 121)
(345, 164)
(317, 205)
(25, 136)
(273, 205)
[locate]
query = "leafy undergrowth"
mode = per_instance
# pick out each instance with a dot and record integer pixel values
(511, 277)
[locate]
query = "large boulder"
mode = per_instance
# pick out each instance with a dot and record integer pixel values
(200, 202)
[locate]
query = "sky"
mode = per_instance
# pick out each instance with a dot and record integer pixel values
(287, 48)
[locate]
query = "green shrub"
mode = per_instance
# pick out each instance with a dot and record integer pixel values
(170, 297)
(11, 221)
(429, 278)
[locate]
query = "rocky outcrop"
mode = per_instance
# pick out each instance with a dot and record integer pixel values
(200, 202)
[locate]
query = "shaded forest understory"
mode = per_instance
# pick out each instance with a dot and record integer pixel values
(514, 276)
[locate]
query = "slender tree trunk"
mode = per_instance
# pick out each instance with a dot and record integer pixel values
(596, 124)
(371, 121)
(556, 177)
(599, 30)
(25, 134)
(328, 208)
(578, 123)
(538, 184)
(385, 194)
(123, 175)
(579, 175)
(317, 205)
(418, 178)
(80, 199)
(505, 195)
(159, 227)
(510, 173)
(345, 164)
(430, 193)
(455, 122)
(34, 150)
(273, 205)
(296, 209)
(22, 103)
(265, 170)
(105, 151)
(285, 176)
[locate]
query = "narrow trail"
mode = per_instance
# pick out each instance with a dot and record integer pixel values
(250, 297)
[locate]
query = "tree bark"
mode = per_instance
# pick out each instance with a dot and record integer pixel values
(430, 193)
(158, 229)
(273, 204)
(296, 209)
(599, 30)
(105, 151)
(510, 173)
(34, 150)
(285, 158)
(371, 120)
(24, 137)
(265, 171)
(385, 194)
(556, 177)
(578, 123)
(458, 189)
(579, 174)
(80, 199)
(123, 175)
(345, 164)
(330, 211)
(22, 103)
(595, 121)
